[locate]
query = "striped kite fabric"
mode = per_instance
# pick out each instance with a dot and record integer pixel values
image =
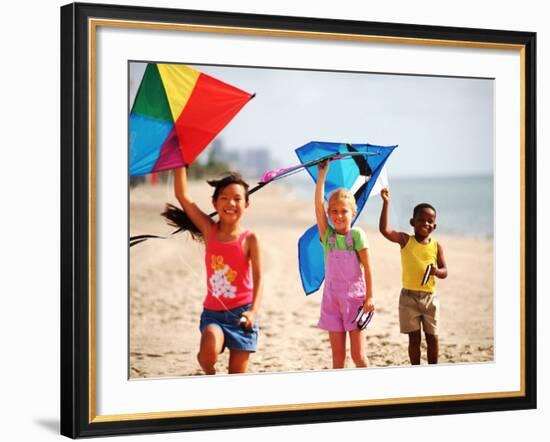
(177, 112)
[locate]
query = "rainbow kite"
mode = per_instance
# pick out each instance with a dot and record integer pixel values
(177, 112)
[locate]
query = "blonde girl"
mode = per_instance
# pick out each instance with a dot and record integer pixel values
(348, 282)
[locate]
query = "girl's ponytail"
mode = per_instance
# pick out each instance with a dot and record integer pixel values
(176, 217)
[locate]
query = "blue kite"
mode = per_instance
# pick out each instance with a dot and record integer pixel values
(357, 169)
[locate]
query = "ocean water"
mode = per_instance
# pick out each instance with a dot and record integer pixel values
(464, 204)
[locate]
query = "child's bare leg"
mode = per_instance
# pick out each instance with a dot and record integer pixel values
(211, 345)
(433, 348)
(338, 347)
(414, 347)
(358, 346)
(238, 361)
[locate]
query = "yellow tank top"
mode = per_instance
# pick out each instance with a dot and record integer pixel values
(415, 258)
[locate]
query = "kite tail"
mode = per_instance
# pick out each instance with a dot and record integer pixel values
(176, 217)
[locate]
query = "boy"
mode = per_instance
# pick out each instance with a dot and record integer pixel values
(422, 260)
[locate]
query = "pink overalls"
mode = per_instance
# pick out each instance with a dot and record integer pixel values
(344, 291)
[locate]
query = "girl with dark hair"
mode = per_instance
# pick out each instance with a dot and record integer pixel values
(233, 270)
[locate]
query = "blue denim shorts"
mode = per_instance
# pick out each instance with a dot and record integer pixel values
(235, 338)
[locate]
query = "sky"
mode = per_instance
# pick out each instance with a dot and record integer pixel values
(443, 126)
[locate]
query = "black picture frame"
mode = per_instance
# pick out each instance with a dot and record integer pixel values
(78, 417)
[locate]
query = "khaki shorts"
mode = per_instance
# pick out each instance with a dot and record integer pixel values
(416, 309)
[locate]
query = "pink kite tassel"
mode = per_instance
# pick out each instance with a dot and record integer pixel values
(270, 174)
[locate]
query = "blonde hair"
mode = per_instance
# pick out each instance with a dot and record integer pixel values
(343, 196)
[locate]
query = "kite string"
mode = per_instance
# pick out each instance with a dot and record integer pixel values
(393, 211)
(198, 278)
(268, 177)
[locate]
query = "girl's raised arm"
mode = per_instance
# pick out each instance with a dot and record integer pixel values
(320, 213)
(196, 215)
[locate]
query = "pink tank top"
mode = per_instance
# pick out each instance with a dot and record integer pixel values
(228, 273)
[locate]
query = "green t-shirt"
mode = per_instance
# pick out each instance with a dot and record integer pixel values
(358, 235)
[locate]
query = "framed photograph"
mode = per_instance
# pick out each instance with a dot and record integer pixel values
(428, 132)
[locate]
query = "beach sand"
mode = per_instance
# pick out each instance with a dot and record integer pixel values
(167, 287)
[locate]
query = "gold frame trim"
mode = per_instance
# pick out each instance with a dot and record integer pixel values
(93, 24)
(523, 190)
(298, 34)
(297, 407)
(92, 220)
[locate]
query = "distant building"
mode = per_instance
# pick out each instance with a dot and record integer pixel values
(254, 162)
(251, 162)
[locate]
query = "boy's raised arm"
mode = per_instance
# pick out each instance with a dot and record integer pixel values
(393, 235)
(320, 214)
(196, 215)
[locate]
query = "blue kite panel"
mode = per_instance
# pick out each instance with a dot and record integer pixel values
(312, 260)
(147, 136)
